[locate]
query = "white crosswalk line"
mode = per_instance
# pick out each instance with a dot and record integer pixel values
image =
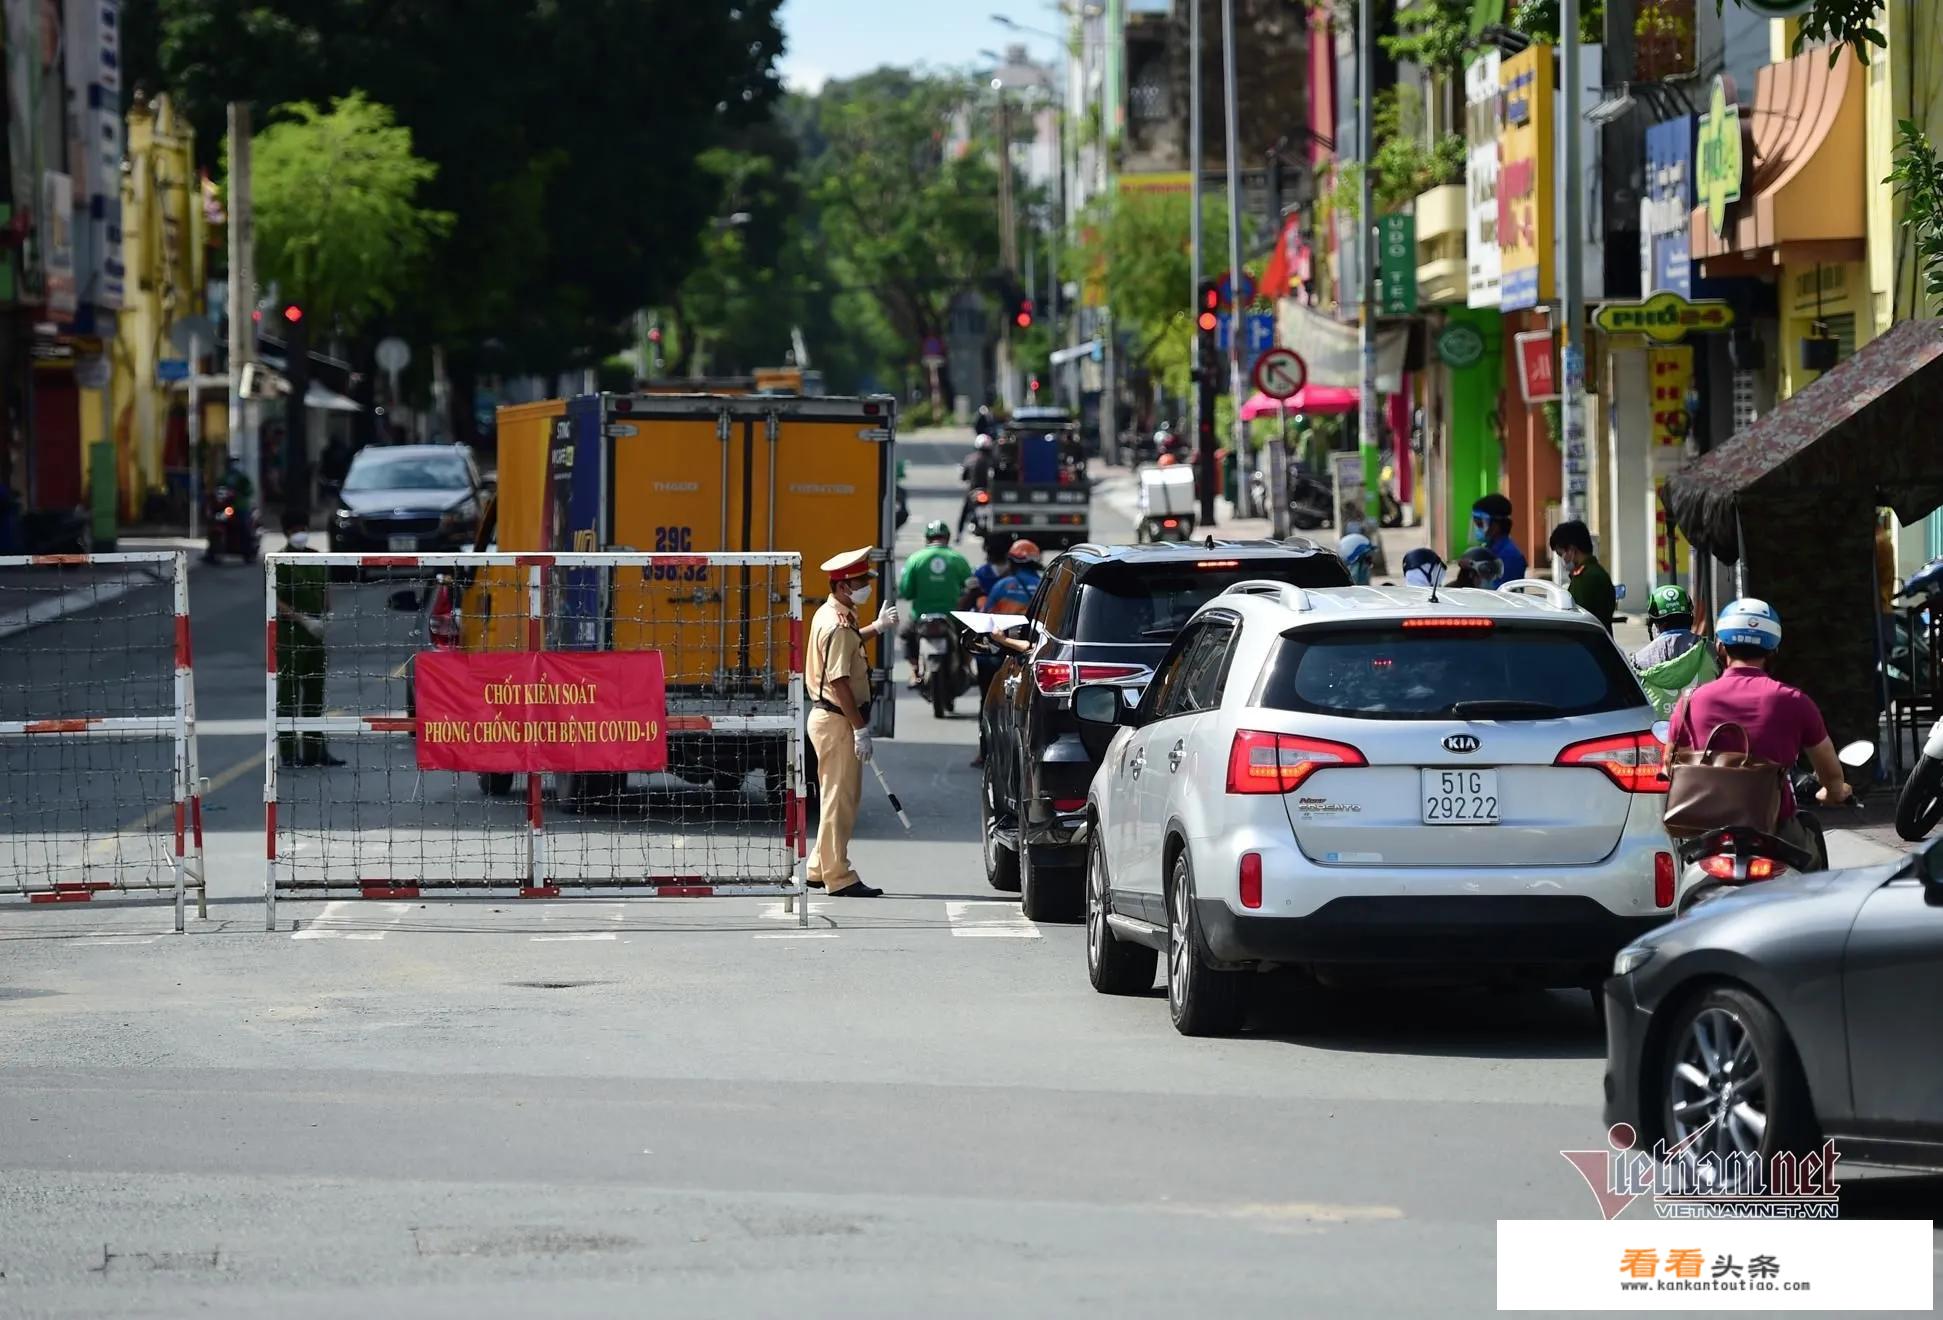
(588, 935)
(990, 921)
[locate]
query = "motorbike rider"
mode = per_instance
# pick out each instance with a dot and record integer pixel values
(1675, 661)
(1782, 722)
(976, 473)
(1012, 594)
(931, 581)
(1491, 528)
(1358, 556)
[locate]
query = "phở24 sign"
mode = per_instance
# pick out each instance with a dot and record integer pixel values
(532, 711)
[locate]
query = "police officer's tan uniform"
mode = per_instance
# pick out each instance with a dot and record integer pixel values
(836, 661)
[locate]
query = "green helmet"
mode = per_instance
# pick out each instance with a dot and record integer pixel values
(937, 529)
(1668, 602)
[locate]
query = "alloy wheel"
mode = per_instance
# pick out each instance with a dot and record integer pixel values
(1717, 1089)
(1095, 907)
(1180, 952)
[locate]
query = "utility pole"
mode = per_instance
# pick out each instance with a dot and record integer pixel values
(1237, 305)
(242, 297)
(1572, 350)
(1204, 391)
(1368, 413)
(1008, 242)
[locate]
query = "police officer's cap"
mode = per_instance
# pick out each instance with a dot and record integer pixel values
(850, 564)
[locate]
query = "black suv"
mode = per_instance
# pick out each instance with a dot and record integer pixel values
(1103, 614)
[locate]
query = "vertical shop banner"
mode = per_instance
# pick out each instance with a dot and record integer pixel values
(1525, 180)
(1483, 123)
(62, 297)
(1669, 206)
(1396, 248)
(532, 711)
(1669, 374)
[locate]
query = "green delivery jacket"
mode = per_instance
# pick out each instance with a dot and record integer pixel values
(1668, 681)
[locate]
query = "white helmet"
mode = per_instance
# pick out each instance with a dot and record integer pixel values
(1749, 622)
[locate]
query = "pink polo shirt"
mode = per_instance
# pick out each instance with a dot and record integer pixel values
(1781, 721)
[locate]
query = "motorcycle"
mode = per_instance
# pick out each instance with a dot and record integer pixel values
(1311, 501)
(947, 674)
(1737, 856)
(233, 527)
(1920, 805)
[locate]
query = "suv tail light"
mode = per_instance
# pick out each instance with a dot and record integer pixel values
(1631, 760)
(440, 621)
(1261, 762)
(1057, 677)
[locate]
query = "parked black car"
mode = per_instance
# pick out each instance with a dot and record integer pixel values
(403, 499)
(1103, 614)
(1798, 1010)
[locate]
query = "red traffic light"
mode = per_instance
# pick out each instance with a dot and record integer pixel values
(1210, 298)
(293, 313)
(1024, 317)
(654, 334)
(1033, 384)
(1208, 322)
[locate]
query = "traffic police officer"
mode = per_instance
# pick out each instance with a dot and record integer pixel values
(836, 677)
(303, 598)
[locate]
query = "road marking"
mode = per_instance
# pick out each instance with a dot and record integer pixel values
(797, 935)
(316, 930)
(110, 941)
(777, 912)
(559, 939)
(995, 921)
(166, 812)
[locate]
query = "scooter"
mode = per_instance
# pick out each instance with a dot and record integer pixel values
(947, 673)
(233, 527)
(1738, 856)
(1920, 805)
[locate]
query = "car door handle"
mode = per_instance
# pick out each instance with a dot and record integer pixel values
(1174, 757)
(1138, 761)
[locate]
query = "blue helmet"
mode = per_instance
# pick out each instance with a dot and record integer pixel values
(1749, 622)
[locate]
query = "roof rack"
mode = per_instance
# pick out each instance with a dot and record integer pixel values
(1555, 596)
(1288, 593)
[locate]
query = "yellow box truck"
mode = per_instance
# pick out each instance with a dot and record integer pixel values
(692, 474)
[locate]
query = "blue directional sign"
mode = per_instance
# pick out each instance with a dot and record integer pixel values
(1259, 329)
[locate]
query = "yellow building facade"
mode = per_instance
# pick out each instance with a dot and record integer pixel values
(165, 246)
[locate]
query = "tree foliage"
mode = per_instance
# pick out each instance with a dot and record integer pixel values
(1435, 35)
(1136, 243)
(338, 226)
(1918, 178)
(568, 139)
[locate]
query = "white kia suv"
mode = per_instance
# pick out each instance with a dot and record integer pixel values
(1373, 780)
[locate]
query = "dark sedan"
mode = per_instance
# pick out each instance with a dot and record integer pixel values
(402, 499)
(1799, 1009)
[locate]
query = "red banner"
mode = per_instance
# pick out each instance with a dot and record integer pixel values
(522, 711)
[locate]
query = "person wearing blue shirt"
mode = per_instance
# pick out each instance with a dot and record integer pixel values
(1491, 528)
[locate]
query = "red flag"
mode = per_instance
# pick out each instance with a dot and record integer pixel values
(1281, 262)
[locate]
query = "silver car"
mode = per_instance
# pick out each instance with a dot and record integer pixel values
(1362, 780)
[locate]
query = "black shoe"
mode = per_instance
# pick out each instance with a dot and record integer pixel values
(858, 890)
(815, 884)
(325, 758)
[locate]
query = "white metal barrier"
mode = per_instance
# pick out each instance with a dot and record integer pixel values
(533, 725)
(99, 776)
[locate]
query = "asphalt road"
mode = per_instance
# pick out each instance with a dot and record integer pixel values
(593, 1107)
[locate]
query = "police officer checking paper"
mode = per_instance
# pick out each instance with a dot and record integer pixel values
(836, 677)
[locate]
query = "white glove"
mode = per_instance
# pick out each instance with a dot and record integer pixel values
(887, 620)
(860, 738)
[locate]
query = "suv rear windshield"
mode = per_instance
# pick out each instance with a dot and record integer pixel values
(1502, 673)
(1132, 602)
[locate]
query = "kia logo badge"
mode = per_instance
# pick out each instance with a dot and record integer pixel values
(1461, 742)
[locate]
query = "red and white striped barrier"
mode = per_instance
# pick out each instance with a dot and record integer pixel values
(358, 803)
(99, 772)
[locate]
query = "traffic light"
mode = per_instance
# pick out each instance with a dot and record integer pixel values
(1208, 320)
(293, 313)
(1023, 317)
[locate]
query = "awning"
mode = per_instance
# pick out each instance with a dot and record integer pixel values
(1866, 428)
(1308, 399)
(1803, 195)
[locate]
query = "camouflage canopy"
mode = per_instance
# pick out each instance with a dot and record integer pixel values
(1869, 432)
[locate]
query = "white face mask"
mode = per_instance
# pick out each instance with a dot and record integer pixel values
(860, 595)
(300, 540)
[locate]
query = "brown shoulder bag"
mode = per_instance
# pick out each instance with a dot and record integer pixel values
(1710, 789)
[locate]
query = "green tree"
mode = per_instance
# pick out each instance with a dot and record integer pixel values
(1136, 243)
(1918, 177)
(568, 140)
(338, 224)
(907, 224)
